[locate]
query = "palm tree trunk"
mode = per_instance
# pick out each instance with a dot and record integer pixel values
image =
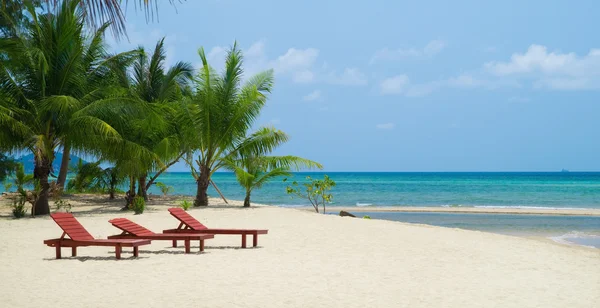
(247, 199)
(203, 181)
(41, 171)
(142, 189)
(130, 194)
(64, 167)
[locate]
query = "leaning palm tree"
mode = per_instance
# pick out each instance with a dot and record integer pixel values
(46, 92)
(253, 167)
(219, 114)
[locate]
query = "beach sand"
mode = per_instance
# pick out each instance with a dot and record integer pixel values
(306, 260)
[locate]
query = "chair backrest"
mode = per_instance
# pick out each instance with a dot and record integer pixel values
(130, 227)
(71, 226)
(187, 219)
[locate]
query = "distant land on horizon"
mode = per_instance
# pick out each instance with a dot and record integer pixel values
(28, 162)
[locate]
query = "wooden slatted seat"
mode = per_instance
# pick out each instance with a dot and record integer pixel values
(131, 230)
(80, 237)
(189, 224)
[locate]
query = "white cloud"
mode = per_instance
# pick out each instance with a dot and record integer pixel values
(555, 70)
(401, 84)
(349, 77)
(313, 96)
(394, 85)
(300, 65)
(216, 55)
(386, 126)
(295, 60)
(432, 48)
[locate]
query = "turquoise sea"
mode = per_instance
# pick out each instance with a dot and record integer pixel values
(447, 189)
(476, 189)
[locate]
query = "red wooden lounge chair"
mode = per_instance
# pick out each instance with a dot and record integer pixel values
(189, 224)
(80, 237)
(131, 230)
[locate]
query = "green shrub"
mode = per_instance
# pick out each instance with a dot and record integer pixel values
(139, 205)
(7, 186)
(164, 188)
(185, 205)
(367, 217)
(18, 208)
(62, 204)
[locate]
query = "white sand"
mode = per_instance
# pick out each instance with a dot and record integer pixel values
(306, 260)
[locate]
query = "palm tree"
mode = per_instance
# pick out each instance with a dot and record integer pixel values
(253, 168)
(218, 115)
(110, 179)
(52, 78)
(99, 12)
(158, 131)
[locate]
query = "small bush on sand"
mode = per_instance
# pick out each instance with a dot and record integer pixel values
(64, 205)
(367, 217)
(18, 207)
(185, 205)
(315, 191)
(139, 205)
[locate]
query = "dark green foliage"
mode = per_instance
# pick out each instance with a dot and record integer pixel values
(138, 205)
(7, 166)
(185, 205)
(88, 178)
(110, 180)
(18, 207)
(22, 179)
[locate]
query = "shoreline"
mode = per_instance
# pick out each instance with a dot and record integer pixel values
(465, 210)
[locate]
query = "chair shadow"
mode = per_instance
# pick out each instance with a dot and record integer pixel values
(174, 252)
(84, 259)
(230, 247)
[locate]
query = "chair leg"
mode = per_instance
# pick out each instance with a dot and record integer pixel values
(174, 243)
(136, 251)
(254, 240)
(58, 256)
(243, 240)
(187, 246)
(118, 251)
(74, 251)
(201, 245)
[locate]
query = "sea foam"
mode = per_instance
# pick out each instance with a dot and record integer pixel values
(578, 238)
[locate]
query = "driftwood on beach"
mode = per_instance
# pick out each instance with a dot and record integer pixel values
(346, 214)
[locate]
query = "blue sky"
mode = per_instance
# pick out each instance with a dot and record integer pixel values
(409, 85)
